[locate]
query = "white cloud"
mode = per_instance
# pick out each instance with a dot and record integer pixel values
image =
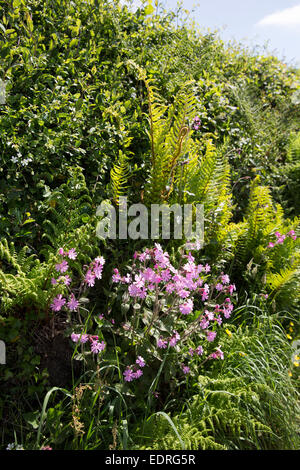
(286, 17)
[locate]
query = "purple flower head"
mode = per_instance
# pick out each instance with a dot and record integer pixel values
(66, 280)
(186, 369)
(75, 337)
(231, 288)
(204, 323)
(128, 375)
(72, 254)
(225, 279)
(218, 354)
(138, 373)
(97, 347)
(84, 338)
(116, 276)
(162, 344)
(57, 303)
(187, 307)
(140, 361)
(174, 339)
(210, 335)
(98, 271)
(90, 278)
(199, 350)
(183, 293)
(62, 267)
(73, 303)
(207, 268)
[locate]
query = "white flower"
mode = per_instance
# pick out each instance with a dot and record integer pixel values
(14, 159)
(14, 446)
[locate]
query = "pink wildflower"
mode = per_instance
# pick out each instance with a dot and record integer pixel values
(90, 278)
(116, 276)
(58, 302)
(96, 347)
(183, 293)
(75, 337)
(84, 338)
(218, 354)
(138, 373)
(231, 288)
(128, 375)
(199, 350)
(187, 307)
(62, 267)
(210, 335)
(174, 340)
(161, 344)
(140, 361)
(66, 280)
(186, 369)
(225, 279)
(73, 303)
(72, 254)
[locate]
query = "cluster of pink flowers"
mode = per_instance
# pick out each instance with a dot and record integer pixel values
(134, 371)
(182, 282)
(59, 301)
(155, 274)
(95, 345)
(218, 354)
(199, 351)
(64, 266)
(281, 237)
(196, 123)
(173, 340)
(94, 271)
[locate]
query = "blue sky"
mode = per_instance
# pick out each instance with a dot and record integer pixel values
(254, 22)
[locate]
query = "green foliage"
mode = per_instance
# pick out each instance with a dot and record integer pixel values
(119, 177)
(100, 104)
(291, 176)
(262, 266)
(247, 402)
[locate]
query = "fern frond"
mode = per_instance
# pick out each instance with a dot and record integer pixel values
(119, 177)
